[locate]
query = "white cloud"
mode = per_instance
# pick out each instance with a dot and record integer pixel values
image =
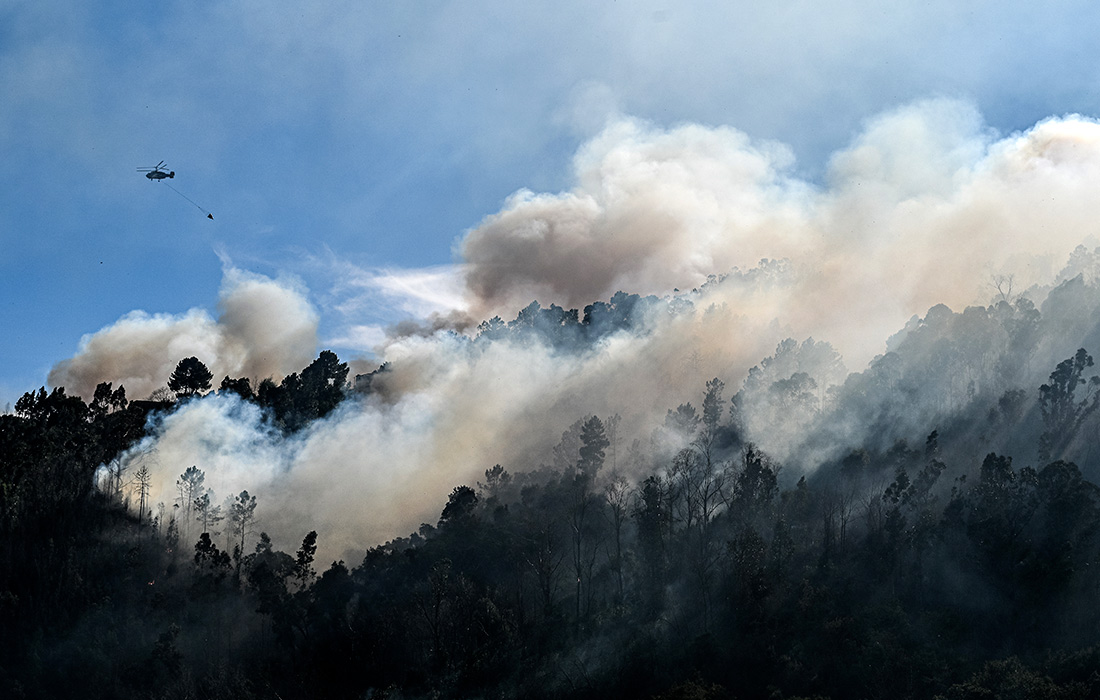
(363, 338)
(362, 301)
(420, 292)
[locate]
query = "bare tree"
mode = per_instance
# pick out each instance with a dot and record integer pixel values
(162, 393)
(1003, 285)
(618, 495)
(142, 482)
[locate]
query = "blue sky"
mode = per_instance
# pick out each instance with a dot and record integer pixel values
(369, 136)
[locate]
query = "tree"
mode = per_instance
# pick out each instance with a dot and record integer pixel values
(712, 408)
(497, 480)
(617, 494)
(1003, 285)
(594, 443)
(105, 400)
(652, 517)
(162, 394)
(323, 383)
(1008, 678)
(1062, 413)
(190, 377)
(460, 506)
(55, 409)
(568, 448)
(189, 485)
(795, 394)
(683, 420)
(242, 387)
(703, 484)
(243, 515)
(755, 487)
(301, 398)
(143, 482)
(699, 486)
(211, 565)
(303, 564)
(209, 515)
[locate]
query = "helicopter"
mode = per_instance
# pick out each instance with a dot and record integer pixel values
(157, 172)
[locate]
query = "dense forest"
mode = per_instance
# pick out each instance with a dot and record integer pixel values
(944, 550)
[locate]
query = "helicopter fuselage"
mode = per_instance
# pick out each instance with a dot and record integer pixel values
(159, 175)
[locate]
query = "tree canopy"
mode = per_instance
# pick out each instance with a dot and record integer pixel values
(190, 377)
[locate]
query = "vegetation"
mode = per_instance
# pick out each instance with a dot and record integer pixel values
(696, 565)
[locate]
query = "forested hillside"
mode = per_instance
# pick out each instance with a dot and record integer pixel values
(926, 527)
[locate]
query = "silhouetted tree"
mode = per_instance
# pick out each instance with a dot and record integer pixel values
(242, 515)
(143, 481)
(212, 566)
(1062, 413)
(190, 377)
(497, 479)
(460, 506)
(755, 486)
(105, 400)
(323, 384)
(303, 564)
(242, 387)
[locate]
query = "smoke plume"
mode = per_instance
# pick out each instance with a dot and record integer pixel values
(925, 206)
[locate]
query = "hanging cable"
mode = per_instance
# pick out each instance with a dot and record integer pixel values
(208, 214)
